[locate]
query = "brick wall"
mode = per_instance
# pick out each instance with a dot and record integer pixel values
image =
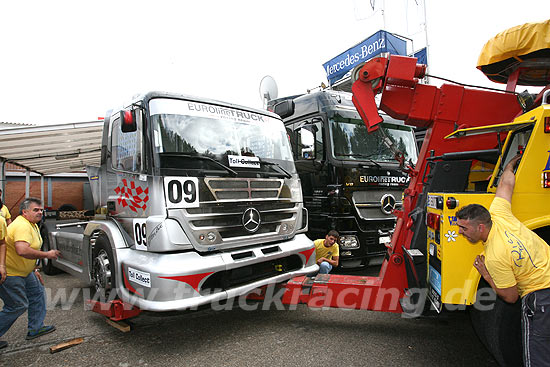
(64, 191)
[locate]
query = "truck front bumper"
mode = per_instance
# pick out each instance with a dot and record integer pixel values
(179, 281)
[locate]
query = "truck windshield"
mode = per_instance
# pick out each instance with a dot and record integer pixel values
(231, 139)
(351, 141)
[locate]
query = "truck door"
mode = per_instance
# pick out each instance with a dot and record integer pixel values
(127, 184)
(308, 146)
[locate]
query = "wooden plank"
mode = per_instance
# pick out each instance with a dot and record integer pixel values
(61, 346)
(120, 325)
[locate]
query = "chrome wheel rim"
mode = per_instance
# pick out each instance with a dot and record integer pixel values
(102, 272)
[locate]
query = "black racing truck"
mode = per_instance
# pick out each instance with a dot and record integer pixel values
(351, 179)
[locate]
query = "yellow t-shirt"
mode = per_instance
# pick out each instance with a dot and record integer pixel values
(3, 228)
(4, 212)
(327, 252)
(21, 230)
(515, 255)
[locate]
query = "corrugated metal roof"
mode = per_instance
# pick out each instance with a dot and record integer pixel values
(11, 125)
(53, 148)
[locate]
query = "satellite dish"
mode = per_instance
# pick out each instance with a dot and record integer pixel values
(268, 89)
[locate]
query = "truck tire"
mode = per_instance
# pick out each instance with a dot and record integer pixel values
(498, 326)
(46, 264)
(67, 208)
(544, 233)
(103, 269)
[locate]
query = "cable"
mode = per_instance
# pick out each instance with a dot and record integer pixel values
(470, 85)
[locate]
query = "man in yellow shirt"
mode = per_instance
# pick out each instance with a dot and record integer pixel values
(516, 263)
(3, 232)
(23, 288)
(326, 252)
(3, 273)
(4, 211)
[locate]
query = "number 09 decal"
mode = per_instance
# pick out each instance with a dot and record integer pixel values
(181, 192)
(140, 233)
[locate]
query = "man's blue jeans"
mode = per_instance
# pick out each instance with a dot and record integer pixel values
(325, 268)
(20, 294)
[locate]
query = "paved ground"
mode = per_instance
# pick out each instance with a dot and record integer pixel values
(301, 337)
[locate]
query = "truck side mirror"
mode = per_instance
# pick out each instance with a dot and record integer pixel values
(128, 122)
(307, 141)
(284, 108)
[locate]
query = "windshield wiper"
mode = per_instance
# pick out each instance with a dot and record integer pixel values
(204, 158)
(278, 166)
(364, 156)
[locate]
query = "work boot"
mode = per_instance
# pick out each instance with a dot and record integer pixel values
(42, 331)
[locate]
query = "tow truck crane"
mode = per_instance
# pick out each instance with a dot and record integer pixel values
(444, 166)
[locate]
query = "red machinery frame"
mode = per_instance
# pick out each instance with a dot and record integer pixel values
(441, 110)
(115, 310)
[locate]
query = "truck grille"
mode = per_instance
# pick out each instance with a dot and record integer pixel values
(244, 188)
(239, 212)
(374, 246)
(226, 218)
(368, 203)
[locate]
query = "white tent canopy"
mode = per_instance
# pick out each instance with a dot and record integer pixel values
(53, 148)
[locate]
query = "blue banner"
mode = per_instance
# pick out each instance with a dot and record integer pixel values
(422, 56)
(376, 44)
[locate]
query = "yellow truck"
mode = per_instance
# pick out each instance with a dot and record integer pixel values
(516, 56)
(452, 280)
(451, 255)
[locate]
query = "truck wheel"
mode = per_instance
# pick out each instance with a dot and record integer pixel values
(103, 269)
(67, 208)
(498, 326)
(46, 264)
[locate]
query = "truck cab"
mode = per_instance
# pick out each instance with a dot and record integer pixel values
(196, 201)
(351, 179)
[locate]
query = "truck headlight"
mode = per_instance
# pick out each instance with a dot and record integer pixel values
(349, 242)
(295, 187)
(286, 228)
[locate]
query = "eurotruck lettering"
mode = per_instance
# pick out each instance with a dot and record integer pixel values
(394, 180)
(225, 112)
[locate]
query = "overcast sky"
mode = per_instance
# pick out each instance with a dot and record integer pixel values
(70, 61)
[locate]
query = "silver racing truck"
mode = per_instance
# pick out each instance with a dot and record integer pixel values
(196, 201)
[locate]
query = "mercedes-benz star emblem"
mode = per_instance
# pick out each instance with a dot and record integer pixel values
(251, 220)
(387, 204)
